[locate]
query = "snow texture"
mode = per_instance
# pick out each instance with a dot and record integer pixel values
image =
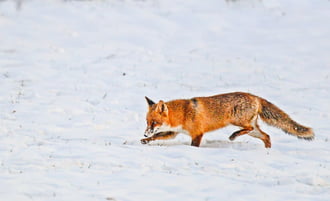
(73, 77)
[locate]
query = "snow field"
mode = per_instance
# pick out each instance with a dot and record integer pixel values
(74, 74)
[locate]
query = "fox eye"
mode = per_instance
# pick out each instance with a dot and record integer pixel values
(153, 123)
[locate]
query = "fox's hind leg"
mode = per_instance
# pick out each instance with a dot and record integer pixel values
(258, 133)
(244, 131)
(253, 130)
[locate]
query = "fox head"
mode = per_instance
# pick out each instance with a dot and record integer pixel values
(157, 118)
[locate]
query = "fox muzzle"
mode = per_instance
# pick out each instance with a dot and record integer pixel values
(150, 131)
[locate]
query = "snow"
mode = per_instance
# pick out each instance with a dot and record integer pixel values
(73, 77)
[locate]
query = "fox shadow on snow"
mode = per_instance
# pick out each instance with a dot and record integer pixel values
(239, 145)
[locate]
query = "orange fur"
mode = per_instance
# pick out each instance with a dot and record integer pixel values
(199, 115)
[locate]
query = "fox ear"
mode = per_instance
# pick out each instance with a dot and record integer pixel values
(162, 108)
(149, 101)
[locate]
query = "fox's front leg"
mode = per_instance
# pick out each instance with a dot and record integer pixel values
(160, 136)
(196, 140)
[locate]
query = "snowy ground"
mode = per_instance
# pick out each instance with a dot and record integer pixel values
(73, 77)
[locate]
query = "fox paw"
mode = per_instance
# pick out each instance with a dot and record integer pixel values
(144, 141)
(232, 137)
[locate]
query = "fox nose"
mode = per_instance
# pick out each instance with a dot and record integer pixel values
(147, 132)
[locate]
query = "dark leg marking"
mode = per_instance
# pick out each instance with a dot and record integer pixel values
(196, 141)
(240, 132)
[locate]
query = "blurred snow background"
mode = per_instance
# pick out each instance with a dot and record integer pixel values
(73, 77)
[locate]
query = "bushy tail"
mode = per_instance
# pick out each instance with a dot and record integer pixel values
(274, 116)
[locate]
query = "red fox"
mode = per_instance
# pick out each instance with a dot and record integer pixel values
(199, 115)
